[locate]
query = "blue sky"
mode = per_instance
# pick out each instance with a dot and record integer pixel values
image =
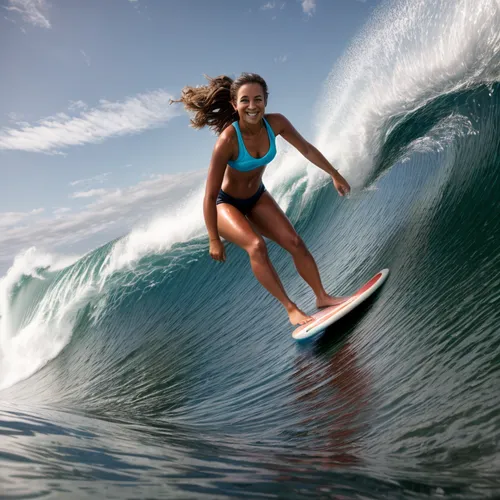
(88, 142)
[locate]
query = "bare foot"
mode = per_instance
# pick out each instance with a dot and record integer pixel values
(298, 317)
(328, 300)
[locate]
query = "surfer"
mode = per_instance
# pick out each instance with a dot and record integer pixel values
(237, 206)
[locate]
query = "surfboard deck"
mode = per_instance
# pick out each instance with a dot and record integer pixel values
(329, 315)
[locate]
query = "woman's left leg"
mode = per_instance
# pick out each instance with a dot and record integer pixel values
(271, 222)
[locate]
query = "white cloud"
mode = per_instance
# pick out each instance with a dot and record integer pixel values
(97, 178)
(89, 194)
(108, 120)
(268, 5)
(76, 105)
(8, 219)
(15, 117)
(309, 6)
(61, 210)
(85, 57)
(32, 11)
(281, 59)
(115, 211)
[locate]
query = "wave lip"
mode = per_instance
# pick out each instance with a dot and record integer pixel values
(411, 53)
(34, 329)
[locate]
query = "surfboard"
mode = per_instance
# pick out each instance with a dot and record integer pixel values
(328, 315)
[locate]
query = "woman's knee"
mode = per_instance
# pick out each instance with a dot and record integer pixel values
(295, 245)
(257, 248)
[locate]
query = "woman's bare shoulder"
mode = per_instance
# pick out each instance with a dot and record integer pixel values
(227, 141)
(277, 122)
(228, 135)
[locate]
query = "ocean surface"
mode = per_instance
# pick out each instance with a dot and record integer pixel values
(146, 370)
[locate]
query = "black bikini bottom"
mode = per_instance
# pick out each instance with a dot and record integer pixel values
(244, 205)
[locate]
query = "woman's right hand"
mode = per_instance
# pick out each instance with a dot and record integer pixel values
(217, 251)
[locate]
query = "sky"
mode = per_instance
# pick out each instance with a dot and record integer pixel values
(89, 144)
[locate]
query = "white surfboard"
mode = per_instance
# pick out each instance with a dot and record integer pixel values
(328, 315)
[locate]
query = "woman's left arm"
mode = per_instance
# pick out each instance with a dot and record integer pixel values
(290, 134)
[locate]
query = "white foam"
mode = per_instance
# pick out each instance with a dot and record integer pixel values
(410, 53)
(22, 352)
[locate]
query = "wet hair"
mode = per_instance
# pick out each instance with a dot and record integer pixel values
(212, 103)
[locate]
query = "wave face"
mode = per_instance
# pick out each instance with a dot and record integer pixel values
(146, 369)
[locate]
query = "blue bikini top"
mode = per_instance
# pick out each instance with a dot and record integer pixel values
(245, 162)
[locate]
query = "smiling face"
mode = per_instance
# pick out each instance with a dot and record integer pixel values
(250, 103)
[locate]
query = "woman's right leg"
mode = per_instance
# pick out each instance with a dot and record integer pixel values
(234, 227)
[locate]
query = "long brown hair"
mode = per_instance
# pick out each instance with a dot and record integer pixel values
(212, 103)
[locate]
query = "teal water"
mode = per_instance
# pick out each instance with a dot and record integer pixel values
(155, 372)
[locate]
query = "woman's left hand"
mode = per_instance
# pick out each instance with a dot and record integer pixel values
(341, 185)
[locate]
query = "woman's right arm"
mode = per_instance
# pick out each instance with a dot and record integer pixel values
(221, 155)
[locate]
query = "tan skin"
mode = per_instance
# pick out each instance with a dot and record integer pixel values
(266, 218)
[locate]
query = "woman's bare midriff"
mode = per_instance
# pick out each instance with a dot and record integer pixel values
(242, 184)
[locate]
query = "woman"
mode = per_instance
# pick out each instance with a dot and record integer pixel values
(237, 206)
